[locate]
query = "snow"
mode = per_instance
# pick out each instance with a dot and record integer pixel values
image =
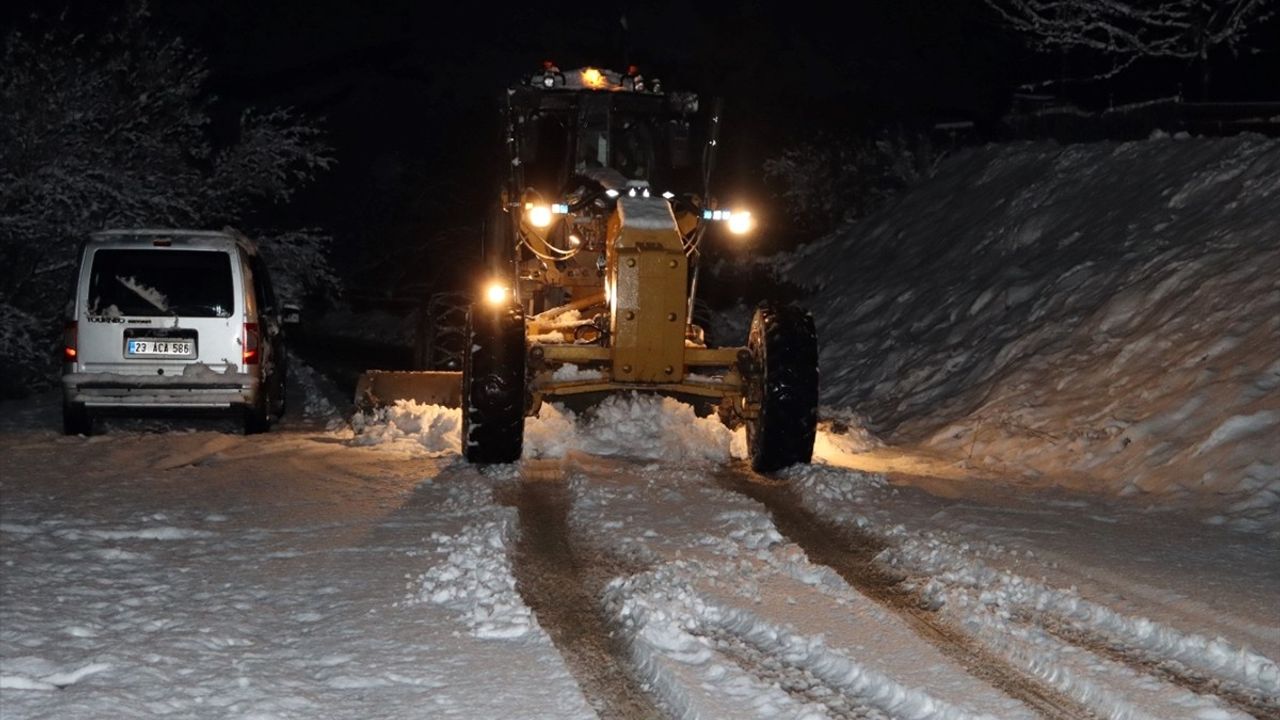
(1062, 443)
(560, 318)
(1104, 317)
(321, 399)
(193, 374)
(205, 575)
(475, 579)
(433, 427)
(634, 425)
(371, 573)
(569, 372)
(1022, 618)
(726, 583)
(642, 213)
(153, 296)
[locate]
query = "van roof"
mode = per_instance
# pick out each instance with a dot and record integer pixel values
(139, 237)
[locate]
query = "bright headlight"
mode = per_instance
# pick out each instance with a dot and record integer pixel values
(539, 216)
(495, 293)
(741, 222)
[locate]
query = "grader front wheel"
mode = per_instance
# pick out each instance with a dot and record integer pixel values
(784, 349)
(493, 385)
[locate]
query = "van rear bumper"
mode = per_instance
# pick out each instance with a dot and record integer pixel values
(105, 390)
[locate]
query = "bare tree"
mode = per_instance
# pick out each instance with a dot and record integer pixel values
(1125, 32)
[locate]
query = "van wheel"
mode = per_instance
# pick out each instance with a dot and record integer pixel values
(76, 419)
(256, 419)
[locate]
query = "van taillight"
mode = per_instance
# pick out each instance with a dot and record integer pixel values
(250, 353)
(69, 341)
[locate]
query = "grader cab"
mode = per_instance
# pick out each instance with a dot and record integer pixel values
(592, 257)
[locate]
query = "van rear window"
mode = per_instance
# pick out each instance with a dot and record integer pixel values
(151, 283)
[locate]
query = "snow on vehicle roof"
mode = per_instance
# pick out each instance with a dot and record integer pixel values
(646, 213)
(146, 237)
(162, 232)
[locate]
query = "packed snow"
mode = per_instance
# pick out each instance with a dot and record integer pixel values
(980, 585)
(204, 575)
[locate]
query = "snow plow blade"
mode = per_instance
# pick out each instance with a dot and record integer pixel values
(382, 388)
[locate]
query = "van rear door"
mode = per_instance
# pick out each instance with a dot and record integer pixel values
(157, 310)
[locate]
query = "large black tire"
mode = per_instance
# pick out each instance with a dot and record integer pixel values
(76, 419)
(493, 385)
(784, 349)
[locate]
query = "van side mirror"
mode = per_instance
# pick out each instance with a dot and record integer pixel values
(290, 314)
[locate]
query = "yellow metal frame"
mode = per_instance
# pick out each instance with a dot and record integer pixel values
(646, 271)
(645, 296)
(730, 387)
(585, 354)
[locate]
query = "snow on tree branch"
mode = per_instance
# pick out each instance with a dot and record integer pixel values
(112, 130)
(299, 268)
(277, 153)
(1186, 29)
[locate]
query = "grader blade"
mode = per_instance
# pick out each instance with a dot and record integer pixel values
(381, 388)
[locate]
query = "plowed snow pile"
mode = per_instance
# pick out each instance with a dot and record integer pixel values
(631, 425)
(1103, 316)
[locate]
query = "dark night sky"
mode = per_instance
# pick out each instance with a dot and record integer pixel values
(408, 88)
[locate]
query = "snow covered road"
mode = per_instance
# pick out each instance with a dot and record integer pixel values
(316, 573)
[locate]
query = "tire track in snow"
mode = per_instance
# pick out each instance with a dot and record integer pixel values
(563, 588)
(851, 554)
(1261, 707)
(796, 681)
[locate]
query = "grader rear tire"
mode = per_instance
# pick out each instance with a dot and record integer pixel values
(493, 385)
(784, 348)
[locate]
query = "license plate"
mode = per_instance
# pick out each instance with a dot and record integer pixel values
(151, 348)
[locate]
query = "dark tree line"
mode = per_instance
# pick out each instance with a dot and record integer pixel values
(114, 130)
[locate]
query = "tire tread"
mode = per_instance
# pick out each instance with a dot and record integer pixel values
(785, 344)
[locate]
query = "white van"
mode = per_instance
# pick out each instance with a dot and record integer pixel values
(172, 320)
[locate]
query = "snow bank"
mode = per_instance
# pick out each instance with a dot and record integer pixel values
(635, 425)
(1103, 315)
(318, 394)
(433, 427)
(640, 426)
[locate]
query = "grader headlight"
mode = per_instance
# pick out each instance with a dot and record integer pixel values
(538, 216)
(497, 294)
(593, 78)
(739, 222)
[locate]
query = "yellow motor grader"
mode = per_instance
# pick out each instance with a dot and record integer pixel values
(592, 259)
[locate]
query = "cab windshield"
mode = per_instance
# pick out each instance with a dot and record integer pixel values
(607, 142)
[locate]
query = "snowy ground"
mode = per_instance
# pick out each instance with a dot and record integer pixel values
(317, 572)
